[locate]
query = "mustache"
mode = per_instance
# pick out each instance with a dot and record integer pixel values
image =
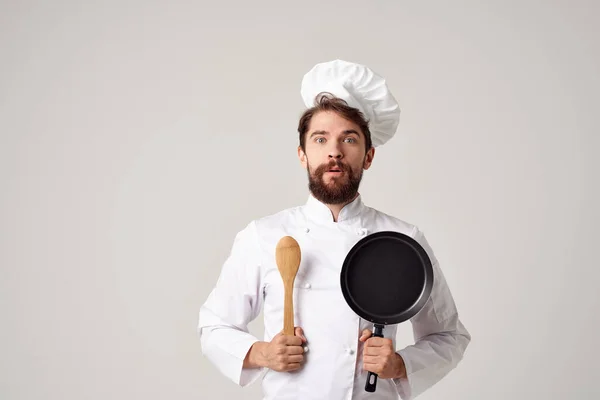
(333, 163)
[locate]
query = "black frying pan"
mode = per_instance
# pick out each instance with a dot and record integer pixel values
(386, 278)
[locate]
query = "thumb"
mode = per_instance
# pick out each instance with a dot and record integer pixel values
(365, 335)
(300, 332)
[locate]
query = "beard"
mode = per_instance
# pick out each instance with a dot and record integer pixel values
(340, 189)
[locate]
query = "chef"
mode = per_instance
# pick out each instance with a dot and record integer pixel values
(350, 111)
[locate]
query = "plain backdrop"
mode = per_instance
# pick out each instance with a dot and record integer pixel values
(138, 137)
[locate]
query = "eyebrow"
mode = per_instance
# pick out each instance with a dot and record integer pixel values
(346, 132)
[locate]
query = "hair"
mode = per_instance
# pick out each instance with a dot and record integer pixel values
(325, 101)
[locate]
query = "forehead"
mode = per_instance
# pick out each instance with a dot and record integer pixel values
(331, 122)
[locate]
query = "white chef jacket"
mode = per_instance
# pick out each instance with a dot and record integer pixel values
(250, 281)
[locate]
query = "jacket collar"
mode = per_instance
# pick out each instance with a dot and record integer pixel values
(318, 211)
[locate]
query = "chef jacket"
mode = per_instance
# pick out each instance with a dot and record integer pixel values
(250, 282)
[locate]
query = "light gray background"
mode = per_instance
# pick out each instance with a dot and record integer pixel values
(136, 139)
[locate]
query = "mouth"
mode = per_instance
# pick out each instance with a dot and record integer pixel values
(335, 168)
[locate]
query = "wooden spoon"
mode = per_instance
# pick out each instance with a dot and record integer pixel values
(288, 257)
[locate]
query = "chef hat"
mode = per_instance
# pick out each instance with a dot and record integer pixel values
(361, 88)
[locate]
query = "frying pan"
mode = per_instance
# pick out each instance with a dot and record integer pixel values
(386, 278)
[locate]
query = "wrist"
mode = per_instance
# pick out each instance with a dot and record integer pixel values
(256, 356)
(400, 367)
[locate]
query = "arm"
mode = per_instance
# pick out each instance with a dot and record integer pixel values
(234, 302)
(440, 337)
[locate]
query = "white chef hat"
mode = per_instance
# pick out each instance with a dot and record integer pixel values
(361, 88)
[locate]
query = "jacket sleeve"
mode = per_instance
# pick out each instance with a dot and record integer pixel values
(440, 337)
(235, 300)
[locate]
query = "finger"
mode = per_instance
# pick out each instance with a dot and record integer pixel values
(294, 349)
(365, 335)
(370, 360)
(293, 367)
(372, 351)
(280, 337)
(371, 367)
(300, 333)
(291, 340)
(378, 342)
(295, 359)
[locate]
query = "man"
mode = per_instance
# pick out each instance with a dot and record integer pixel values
(351, 111)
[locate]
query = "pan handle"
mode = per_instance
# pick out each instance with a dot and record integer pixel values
(371, 384)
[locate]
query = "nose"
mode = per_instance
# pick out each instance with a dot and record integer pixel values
(335, 152)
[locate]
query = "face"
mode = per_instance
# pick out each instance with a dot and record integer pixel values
(335, 158)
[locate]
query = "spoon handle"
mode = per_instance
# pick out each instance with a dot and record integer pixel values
(288, 309)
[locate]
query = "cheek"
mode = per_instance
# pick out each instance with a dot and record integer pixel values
(357, 164)
(317, 150)
(314, 159)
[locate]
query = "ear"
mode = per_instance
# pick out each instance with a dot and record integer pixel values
(302, 157)
(369, 158)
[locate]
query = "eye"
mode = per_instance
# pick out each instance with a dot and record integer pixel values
(350, 140)
(320, 140)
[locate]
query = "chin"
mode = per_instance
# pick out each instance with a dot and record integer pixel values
(332, 183)
(330, 179)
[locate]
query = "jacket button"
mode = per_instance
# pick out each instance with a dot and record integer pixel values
(362, 232)
(307, 285)
(307, 230)
(350, 351)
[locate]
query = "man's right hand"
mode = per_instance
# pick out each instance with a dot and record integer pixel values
(283, 353)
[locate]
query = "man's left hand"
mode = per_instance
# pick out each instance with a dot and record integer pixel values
(380, 357)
